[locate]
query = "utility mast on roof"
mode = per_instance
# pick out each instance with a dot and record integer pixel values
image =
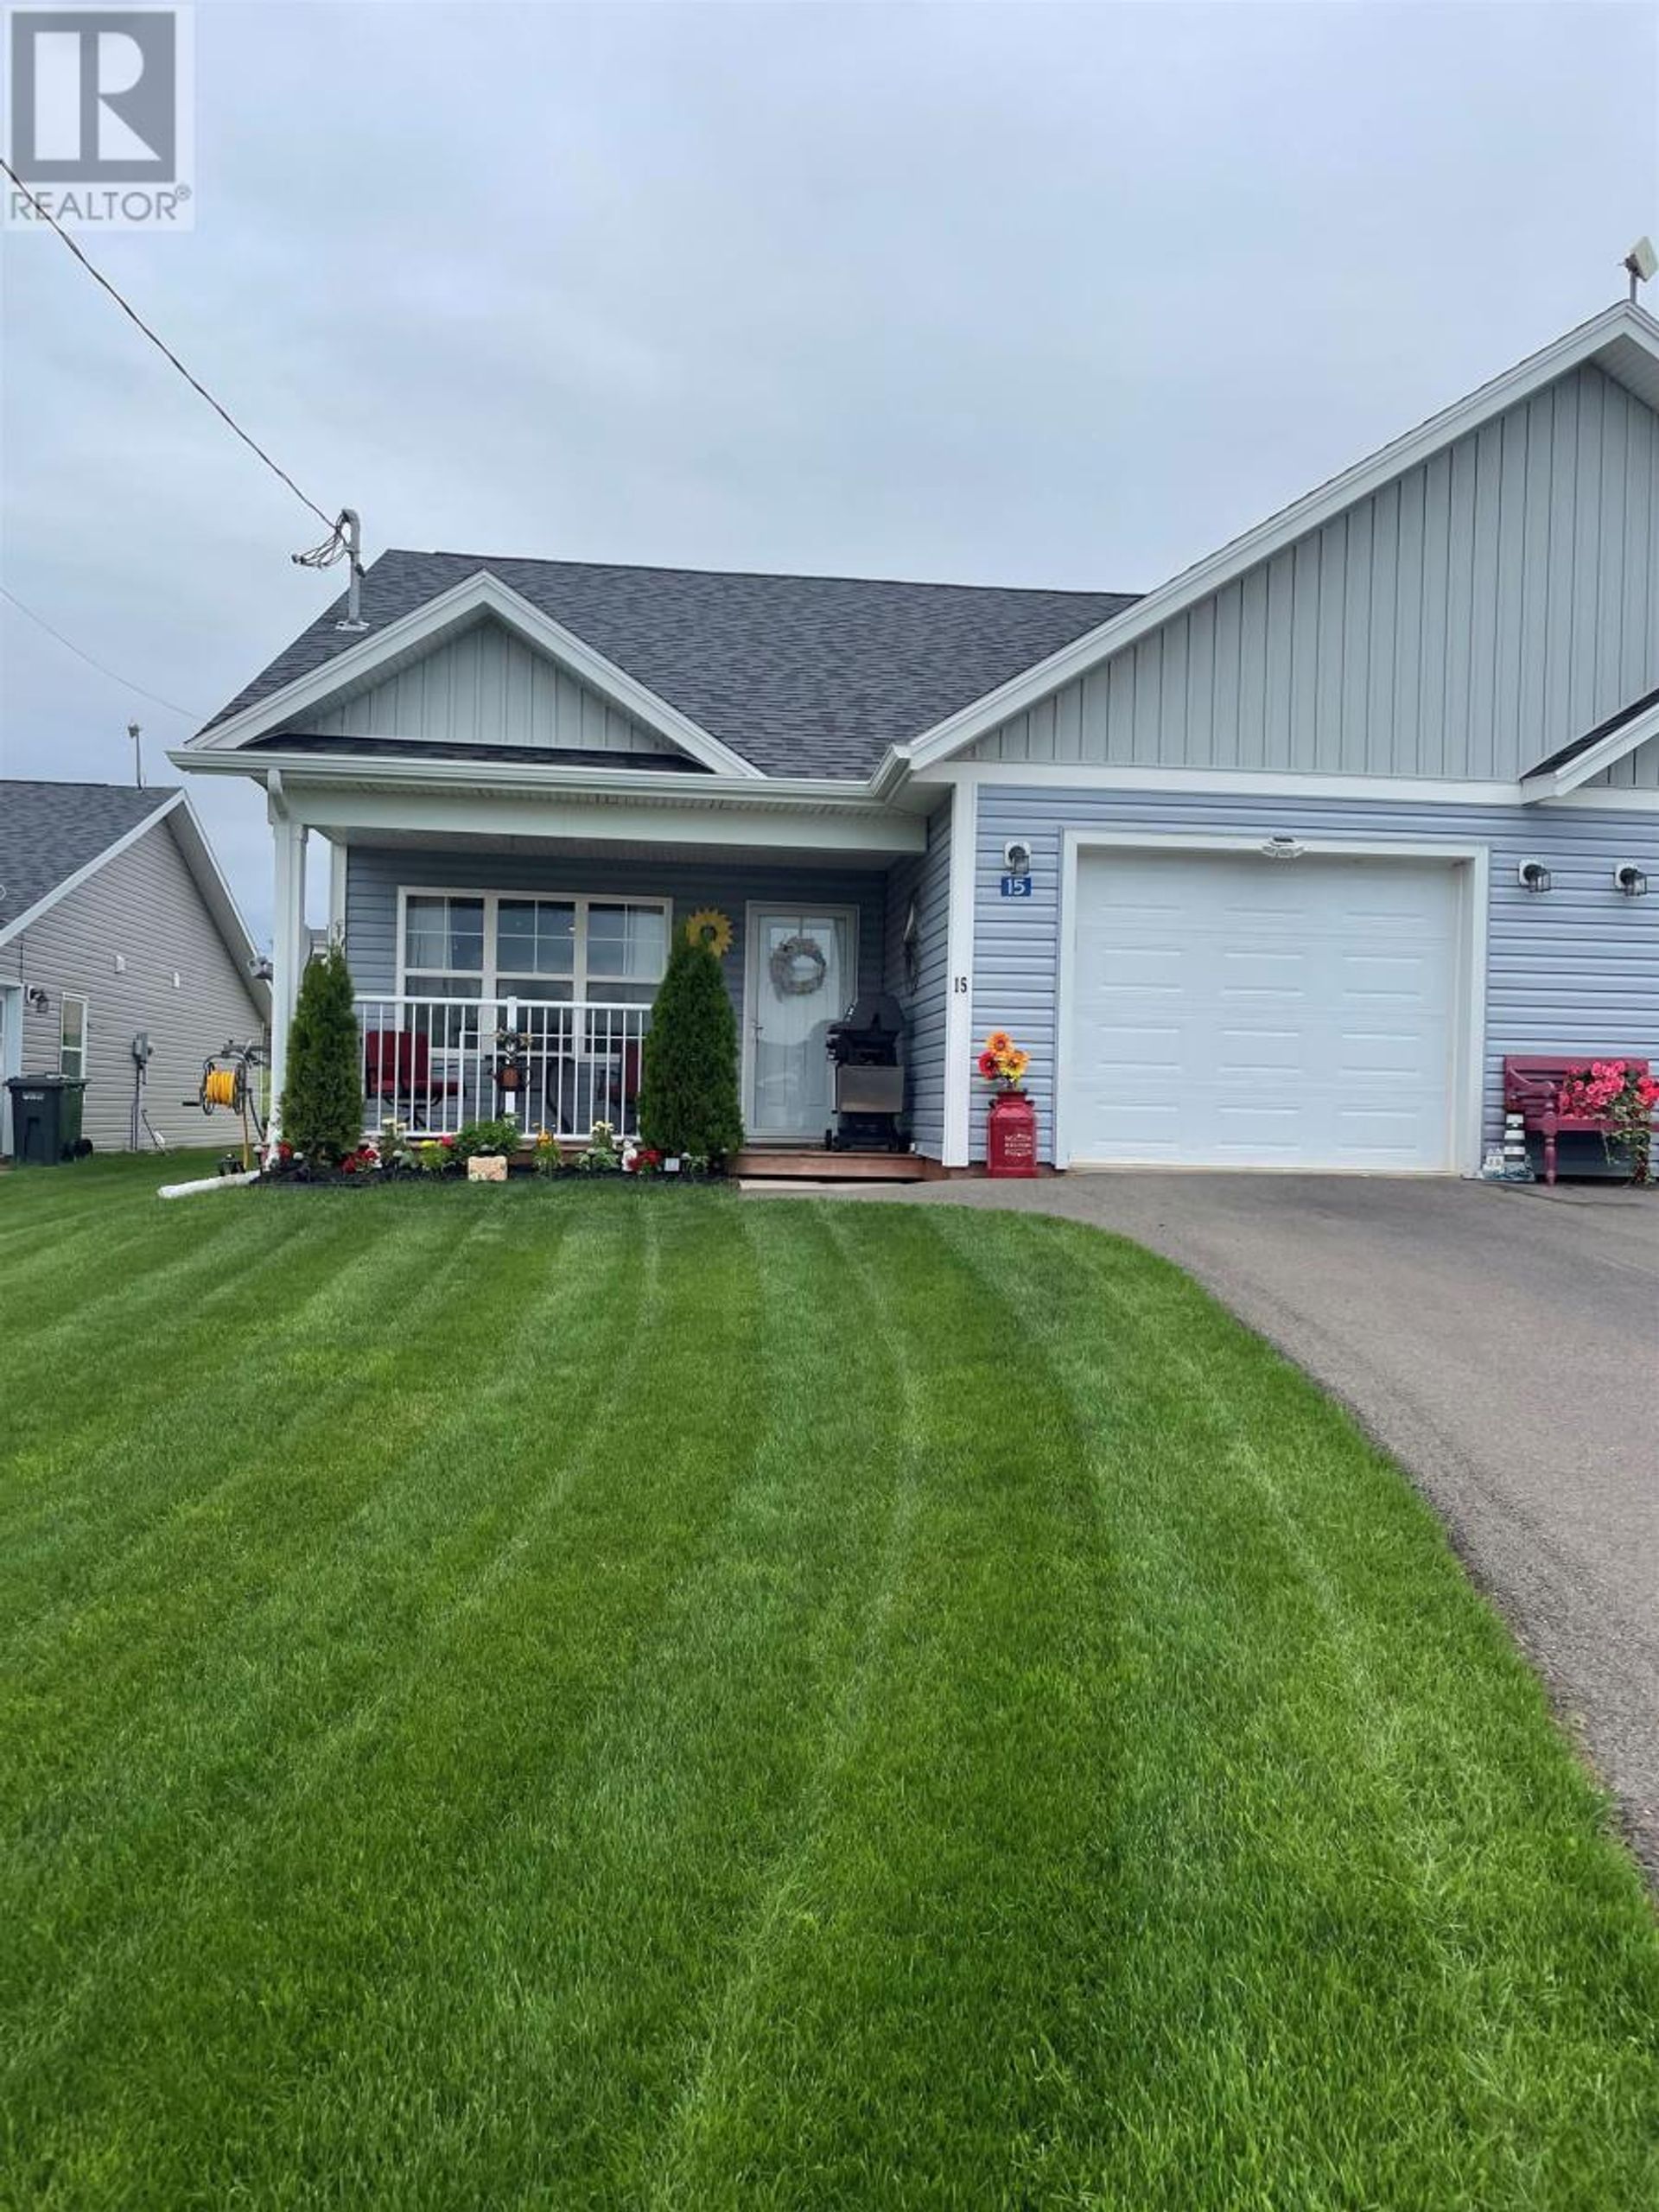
(1641, 262)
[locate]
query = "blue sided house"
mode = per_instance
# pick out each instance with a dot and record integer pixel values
(1268, 867)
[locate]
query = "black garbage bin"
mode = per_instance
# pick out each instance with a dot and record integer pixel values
(45, 1118)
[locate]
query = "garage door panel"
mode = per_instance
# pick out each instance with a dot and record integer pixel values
(1302, 1023)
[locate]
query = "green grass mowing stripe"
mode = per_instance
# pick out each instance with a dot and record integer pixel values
(605, 1911)
(138, 1491)
(479, 1670)
(1097, 1787)
(321, 1549)
(896, 2036)
(1337, 1812)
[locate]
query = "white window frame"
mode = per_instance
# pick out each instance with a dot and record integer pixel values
(582, 900)
(75, 998)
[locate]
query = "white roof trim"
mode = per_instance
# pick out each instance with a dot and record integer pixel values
(1555, 783)
(59, 891)
(434, 769)
(480, 595)
(1615, 327)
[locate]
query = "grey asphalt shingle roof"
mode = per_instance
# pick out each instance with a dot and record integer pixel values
(799, 675)
(48, 831)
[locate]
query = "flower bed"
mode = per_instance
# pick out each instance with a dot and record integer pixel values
(400, 1154)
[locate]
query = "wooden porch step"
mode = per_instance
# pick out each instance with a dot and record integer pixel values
(761, 1163)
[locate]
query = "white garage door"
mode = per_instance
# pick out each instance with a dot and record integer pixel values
(1230, 1010)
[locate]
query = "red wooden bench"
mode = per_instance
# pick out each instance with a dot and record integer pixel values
(1532, 1086)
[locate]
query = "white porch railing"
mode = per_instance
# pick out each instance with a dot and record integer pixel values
(435, 1064)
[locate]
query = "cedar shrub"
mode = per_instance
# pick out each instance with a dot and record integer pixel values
(322, 1096)
(688, 1093)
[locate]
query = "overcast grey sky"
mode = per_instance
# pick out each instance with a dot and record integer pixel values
(1031, 294)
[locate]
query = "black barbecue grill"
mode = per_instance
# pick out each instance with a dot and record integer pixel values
(866, 1047)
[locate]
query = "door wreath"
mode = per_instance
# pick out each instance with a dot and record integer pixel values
(798, 968)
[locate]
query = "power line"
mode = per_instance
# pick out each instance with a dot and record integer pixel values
(132, 315)
(69, 645)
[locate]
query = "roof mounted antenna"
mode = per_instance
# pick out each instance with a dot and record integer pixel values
(347, 539)
(1641, 262)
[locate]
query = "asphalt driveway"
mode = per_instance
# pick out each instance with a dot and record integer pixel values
(1503, 1344)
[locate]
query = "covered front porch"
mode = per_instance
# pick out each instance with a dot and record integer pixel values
(504, 972)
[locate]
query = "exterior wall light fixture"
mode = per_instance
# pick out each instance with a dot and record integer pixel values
(1533, 876)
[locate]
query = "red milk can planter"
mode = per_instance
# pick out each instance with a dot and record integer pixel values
(1011, 1135)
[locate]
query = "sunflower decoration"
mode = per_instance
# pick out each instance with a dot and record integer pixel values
(710, 927)
(1001, 1062)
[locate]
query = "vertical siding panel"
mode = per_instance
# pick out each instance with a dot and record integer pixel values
(1459, 602)
(1227, 691)
(1383, 628)
(1148, 663)
(1253, 669)
(1432, 664)
(1068, 723)
(1559, 616)
(1609, 649)
(1040, 730)
(1341, 550)
(1201, 684)
(1589, 491)
(1637, 653)
(1174, 721)
(1096, 695)
(1536, 714)
(1120, 707)
(1509, 582)
(1476, 749)
(1348, 680)
(1408, 623)
(1300, 702)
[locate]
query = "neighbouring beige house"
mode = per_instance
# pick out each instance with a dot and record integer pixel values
(116, 924)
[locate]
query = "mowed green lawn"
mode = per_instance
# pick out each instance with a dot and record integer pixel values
(626, 1697)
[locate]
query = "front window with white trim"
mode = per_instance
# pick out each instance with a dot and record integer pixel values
(500, 945)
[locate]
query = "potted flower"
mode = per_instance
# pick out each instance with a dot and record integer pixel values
(512, 1048)
(1621, 1096)
(1011, 1130)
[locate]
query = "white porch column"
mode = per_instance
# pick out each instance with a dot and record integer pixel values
(959, 975)
(288, 946)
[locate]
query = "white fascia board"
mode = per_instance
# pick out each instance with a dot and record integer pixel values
(801, 829)
(534, 779)
(59, 891)
(1557, 783)
(478, 596)
(1621, 323)
(1262, 782)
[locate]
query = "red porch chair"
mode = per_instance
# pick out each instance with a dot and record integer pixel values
(397, 1073)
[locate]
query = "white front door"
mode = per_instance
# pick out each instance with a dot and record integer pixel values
(1233, 1011)
(801, 966)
